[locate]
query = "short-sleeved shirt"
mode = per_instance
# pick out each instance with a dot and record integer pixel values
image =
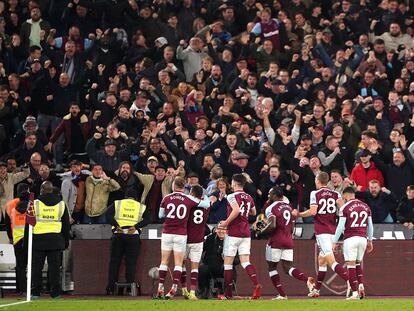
(282, 236)
(356, 213)
(239, 227)
(177, 207)
(326, 215)
(197, 225)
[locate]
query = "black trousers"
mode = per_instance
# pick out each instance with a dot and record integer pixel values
(20, 251)
(123, 245)
(53, 262)
(208, 272)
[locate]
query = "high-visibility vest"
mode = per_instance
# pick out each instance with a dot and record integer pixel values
(128, 212)
(48, 218)
(17, 220)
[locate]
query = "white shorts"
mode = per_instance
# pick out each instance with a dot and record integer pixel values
(194, 251)
(325, 242)
(276, 254)
(354, 248)
(173, 242)
(232, 245)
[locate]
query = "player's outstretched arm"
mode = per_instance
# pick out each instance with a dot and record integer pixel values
(313, 209)
(205, 202)
(339, 229)
(161, 213)
(370, 246)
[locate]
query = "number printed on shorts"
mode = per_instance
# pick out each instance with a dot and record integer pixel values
(359, 219)
(180, 211)
(198, 217)
(286, 216)
(328, 206)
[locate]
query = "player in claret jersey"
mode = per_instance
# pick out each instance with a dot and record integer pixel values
(280, 244)
(195, 239)
(355, 222)
(237, 240)
(323, 208)
(175, 208)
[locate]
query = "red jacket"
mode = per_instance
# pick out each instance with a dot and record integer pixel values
(363, 177)
(64, 127)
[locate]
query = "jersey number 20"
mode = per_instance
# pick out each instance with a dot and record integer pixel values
(180, 211)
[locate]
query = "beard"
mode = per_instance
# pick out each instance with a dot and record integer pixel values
(125, 175)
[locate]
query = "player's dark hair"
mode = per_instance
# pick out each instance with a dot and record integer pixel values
(348, 190)
(197, 191)
(410, 187)
(240, 179)
(323, 178)
(277, 191)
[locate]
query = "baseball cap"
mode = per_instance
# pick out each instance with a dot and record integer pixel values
(241, 155)
(327, 30)
(306, 136)
(364, 153)
(192, 174)
(36, 60)
(318, 127)
(109, 142)
(152, 158)
(160, 166)
(277, 82)
(161, 40)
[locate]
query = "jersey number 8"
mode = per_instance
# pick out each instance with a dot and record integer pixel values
(198, 217)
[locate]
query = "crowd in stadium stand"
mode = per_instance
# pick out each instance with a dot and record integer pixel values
(278, 90)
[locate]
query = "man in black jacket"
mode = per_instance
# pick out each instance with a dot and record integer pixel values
(212, 266)
(405, 209)
(381, 202)
(50, 238)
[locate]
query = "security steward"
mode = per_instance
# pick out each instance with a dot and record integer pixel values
(50, 238)
(15, 225)
(127, 217)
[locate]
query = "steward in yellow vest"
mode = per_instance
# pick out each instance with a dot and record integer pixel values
(15, 220)
(50, 237)
(127, 217)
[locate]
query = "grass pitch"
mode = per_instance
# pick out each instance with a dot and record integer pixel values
(240, 305)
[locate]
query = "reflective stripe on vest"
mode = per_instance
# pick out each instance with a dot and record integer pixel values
(48, 217)
(128, 212)
(18, 222)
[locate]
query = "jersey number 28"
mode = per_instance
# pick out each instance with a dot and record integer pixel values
(328, 206)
